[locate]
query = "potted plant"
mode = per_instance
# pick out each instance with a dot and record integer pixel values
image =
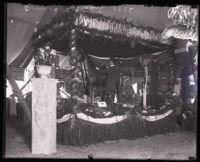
(44, 60)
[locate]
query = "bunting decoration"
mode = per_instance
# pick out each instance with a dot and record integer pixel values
(88, 130)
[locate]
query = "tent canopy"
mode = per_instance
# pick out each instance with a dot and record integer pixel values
(99, 35)
(23, 21)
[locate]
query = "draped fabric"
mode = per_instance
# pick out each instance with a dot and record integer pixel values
(18, 35)
(19, 31)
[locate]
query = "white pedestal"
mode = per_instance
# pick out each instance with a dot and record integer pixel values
(44, 115)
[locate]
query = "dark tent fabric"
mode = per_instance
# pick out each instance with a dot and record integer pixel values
(108, 48)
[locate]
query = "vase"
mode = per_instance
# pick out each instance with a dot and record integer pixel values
(43, 71)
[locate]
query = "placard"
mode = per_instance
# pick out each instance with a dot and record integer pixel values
(102, 104)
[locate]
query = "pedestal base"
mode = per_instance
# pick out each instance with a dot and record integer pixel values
(44, 115)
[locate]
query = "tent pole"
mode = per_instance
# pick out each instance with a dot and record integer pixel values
(18, 93)
(145, 87)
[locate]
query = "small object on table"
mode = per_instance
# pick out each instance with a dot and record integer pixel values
(102, 104)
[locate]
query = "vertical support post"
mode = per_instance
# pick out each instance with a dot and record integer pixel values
(44, 95)
(93, 88)
(145, 87)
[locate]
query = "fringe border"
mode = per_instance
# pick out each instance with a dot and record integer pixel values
(80, 132)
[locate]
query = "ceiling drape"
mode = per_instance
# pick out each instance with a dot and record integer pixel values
(19, 31)
(18, 35)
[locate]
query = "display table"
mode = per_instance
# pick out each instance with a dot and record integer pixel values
(87, 127)
(84, 129)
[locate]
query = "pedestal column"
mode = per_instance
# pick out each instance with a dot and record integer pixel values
(44, 93)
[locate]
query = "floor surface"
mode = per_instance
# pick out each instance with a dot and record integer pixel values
(177, 145)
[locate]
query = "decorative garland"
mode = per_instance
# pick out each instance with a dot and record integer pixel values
(121, 27)
(75, 54)
(77, 88)
(169, 95)
(171, 78)
(184, 15)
